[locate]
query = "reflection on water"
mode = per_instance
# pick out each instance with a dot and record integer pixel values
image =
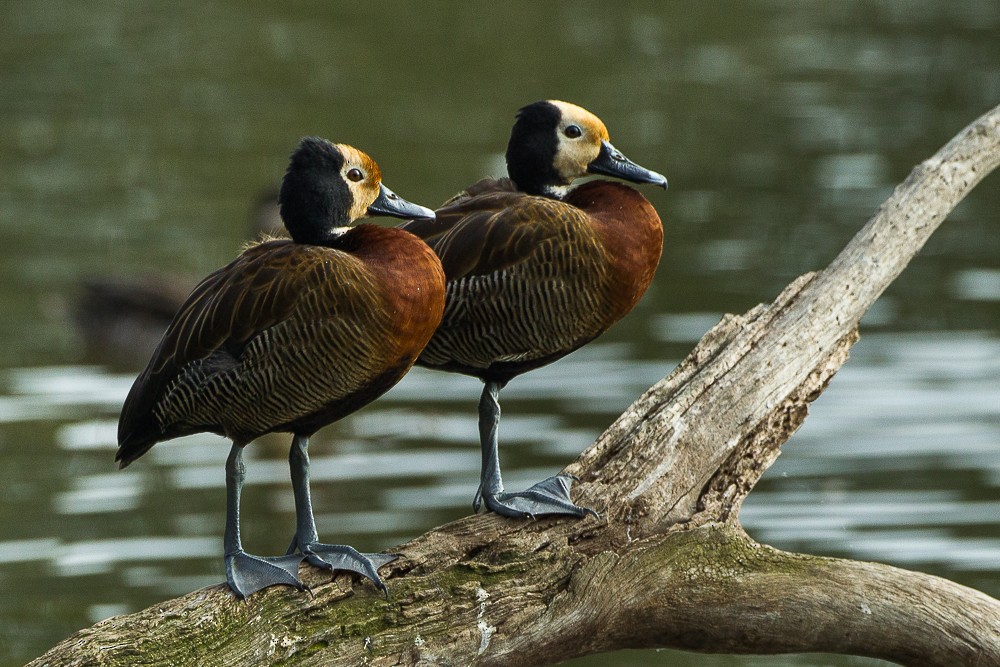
(898, 461)
(136, 138)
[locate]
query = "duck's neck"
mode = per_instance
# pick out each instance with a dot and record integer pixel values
(530, 166)
(555, 191)
(541, 188)
(334, 237)
(314, 222)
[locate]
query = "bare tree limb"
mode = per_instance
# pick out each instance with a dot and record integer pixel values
(668, 564)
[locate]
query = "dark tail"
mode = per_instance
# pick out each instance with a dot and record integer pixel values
(137, 427)
(130, 450)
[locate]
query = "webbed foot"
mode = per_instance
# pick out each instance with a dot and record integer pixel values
(347, 558)
(247, 574)
(550, 496)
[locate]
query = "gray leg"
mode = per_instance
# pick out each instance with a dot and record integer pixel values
(246, 573)
(306, 540)
(550, 496)
(490, 480)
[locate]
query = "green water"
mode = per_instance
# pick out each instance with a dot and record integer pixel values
(135, 138)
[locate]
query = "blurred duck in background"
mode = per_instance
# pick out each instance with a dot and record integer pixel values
(536, 270)
(120, 320)
(291, 336)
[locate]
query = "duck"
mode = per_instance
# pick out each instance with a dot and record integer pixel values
(537, 268)
(290, 336)
(119, 320)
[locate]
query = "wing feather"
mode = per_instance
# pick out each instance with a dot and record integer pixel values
(275, 283)
(494, 229)
(524, 276)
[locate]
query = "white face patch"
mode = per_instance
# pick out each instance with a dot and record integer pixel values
(365, 190)
(574, 153)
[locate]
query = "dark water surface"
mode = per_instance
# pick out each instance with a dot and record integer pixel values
(135, 138)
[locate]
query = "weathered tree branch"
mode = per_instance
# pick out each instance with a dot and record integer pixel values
(667, 565)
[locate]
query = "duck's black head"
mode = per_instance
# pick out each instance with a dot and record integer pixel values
(553, 143)
(329, 186)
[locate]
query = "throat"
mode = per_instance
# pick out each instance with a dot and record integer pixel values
(554, 191)
(328, 237)
(550, 190)
(334, 237)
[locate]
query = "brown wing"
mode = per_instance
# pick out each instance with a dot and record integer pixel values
(449, 212)
(525, 277)
(252, 293)
(270, 288)
(482, 187)
(493, 230)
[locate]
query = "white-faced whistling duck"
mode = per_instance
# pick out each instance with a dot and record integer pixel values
(291, 336)
(535, 270)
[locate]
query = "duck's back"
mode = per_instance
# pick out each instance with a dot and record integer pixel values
(288, 337)
(531, 278)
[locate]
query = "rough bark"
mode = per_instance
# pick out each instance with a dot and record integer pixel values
(667, 564)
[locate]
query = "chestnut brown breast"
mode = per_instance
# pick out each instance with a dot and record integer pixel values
(631, 232)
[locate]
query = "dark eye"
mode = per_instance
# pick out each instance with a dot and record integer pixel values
(355, 175)
(573, 132)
